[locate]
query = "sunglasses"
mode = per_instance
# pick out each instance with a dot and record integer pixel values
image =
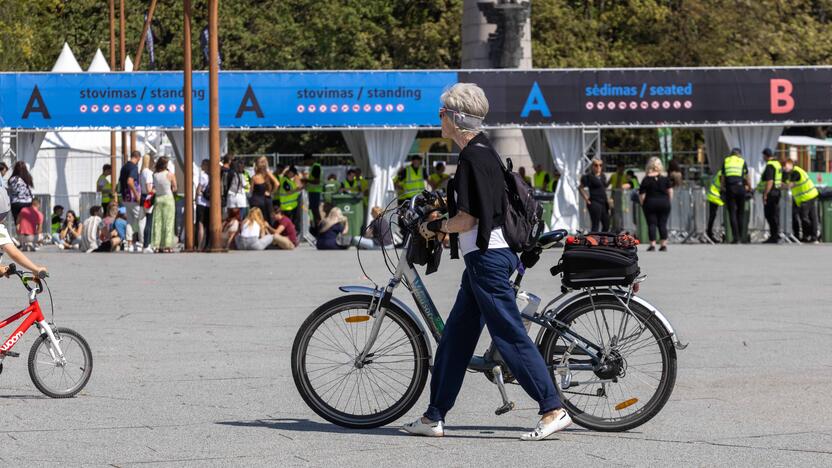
(443, 111)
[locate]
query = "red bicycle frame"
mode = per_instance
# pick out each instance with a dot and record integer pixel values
(34, 315)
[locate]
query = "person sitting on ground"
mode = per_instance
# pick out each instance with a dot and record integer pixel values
(29, 223)
(57, 222)
(332, 227)
(378, 234)
(231, 227)
(69, 235)
(285, 234)
(109, 240)
(89, 230)
(123, 229)
(253, 234)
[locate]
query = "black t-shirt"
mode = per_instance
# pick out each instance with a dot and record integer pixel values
(655, 188)
(597, 186)
(479, 186)
(794, 176)
(127, 171)
(768, 173)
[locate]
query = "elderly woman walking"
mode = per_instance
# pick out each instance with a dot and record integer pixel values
(485, 296)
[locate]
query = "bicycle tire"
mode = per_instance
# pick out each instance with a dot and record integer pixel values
(357, 421)
(669, 363)
(86, 365)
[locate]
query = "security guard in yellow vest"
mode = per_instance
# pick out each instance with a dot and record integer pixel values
(411, 179)
(521, 171)
(735, 182)
(351, 184)
(289, 196)
(314, 184)
(714, 202)
(104, 186)
(542, 179)
(805, 196)
(439, 180)
(365, 187)
(769, 185)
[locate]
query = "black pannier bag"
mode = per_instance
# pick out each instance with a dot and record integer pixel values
(598, 259)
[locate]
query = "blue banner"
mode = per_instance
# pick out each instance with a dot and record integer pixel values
(247, 99)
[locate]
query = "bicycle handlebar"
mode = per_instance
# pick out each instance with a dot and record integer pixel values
(13, 270)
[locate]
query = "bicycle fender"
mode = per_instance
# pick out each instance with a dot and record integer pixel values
(376, 295)
(623, 296)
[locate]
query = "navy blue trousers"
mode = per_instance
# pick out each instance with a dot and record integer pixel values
(486, 298)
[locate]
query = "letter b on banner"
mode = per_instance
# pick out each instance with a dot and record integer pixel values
(782, 101)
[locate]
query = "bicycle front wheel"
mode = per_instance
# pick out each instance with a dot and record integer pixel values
(57, 378)
(638, 371)
(366, 394)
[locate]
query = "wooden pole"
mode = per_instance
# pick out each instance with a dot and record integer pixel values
(114, 67)
(215, 223)
(189, 130)
(121, 45)
(138, 62)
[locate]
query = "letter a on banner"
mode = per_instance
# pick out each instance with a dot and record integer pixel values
(535, 102)
(36, 104)
(249, 104)
(782, 101)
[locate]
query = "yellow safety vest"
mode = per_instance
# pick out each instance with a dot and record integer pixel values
(106, 190)
(733, 166)
(618, 180)
(315, 188)
(439, 180)
(803, 190)
(778, 176)
(365, 185)
(352, 187)
(413, 183)
(713, 190)
(539, 178)
(288, 201)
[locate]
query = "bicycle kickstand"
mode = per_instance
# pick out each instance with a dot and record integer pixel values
(498, 380)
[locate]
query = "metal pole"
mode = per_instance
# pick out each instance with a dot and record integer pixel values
(215, 227)
(114, 67)
(122, 32)
(189, 129)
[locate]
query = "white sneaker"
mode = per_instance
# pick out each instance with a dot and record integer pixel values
(417, 427)
(60, 246)
(542, 431)
(148, 250)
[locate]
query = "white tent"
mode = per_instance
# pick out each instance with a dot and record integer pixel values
(68, 163)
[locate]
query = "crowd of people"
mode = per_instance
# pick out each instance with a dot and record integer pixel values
(261, 206)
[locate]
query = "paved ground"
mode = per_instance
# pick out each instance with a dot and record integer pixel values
(192, 367)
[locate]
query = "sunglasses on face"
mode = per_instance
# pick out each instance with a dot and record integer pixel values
(443, 111)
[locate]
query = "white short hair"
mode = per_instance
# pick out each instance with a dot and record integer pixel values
(467, 98)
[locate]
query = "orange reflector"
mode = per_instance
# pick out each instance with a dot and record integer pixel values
(357, 318)
(626, 403)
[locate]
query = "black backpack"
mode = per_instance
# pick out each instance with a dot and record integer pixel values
(523, 214)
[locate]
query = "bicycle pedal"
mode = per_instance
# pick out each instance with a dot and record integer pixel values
(504, 409)
(10, 354)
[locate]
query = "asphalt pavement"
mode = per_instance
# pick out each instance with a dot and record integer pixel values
(192, 366)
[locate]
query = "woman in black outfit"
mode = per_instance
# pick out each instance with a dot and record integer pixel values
(655, 193)
(595, 184)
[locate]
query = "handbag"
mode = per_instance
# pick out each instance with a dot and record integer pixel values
(148, 200)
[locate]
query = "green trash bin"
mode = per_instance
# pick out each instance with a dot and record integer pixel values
(352, 206)
(826, 219)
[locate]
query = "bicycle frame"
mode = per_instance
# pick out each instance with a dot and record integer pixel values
(35, 317)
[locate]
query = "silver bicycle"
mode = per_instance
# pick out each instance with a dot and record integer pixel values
(362, 360)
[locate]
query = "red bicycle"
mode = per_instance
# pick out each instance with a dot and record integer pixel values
(60, 361)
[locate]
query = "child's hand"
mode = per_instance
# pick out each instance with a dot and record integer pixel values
(3, 270)
(39, 269)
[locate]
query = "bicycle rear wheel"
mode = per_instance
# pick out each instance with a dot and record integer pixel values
(359, 395)
(54, 378)
(641, 364)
